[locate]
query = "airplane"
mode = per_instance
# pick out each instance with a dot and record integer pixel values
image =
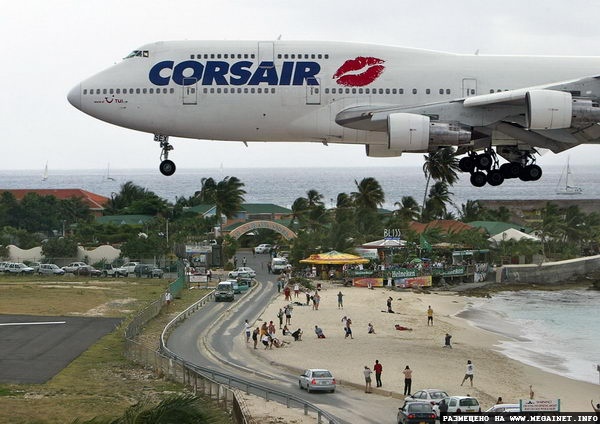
(390, 99)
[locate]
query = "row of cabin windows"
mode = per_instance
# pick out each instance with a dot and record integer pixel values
(129, 90)
(381, 91)
(302, 56)
(238, 90)
(498, 90)
(223, 56)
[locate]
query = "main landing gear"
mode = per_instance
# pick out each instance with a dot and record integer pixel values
(167, 167)
(484, 168)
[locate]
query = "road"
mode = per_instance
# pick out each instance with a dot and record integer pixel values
(220, 324)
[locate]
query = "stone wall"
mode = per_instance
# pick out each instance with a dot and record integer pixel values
(548, 272)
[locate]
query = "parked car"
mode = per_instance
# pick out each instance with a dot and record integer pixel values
(432, 396)
(19, 268)
(73, 267)
(224, 291)
(35, 266)
(127, 268)
(4, 266)
(503, 408)
(50, 269)
(416, 413)
(148, 270)
(263, 248)
(317, 379)
(460, 405)
(242, 271)
(244, 283)
(109, 271)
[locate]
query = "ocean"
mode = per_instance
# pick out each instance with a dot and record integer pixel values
(556, 331)
(283, 185)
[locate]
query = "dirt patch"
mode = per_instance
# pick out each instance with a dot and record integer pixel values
(109, 307)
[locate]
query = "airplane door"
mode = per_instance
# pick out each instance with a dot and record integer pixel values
(469, 86)
(313, 93)
(190, 91)
(266, 53)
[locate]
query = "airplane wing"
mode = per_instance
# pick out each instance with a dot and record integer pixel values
(555, 116)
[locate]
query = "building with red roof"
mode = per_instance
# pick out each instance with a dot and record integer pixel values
(94, 201)
(443, 225)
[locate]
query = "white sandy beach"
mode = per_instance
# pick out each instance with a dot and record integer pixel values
(421, 349)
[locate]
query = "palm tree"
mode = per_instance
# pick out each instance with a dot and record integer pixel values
(471, 211)
(369, 194)
(299, 211)
(314, 198)
(439, 196)
(440, 165)
(227, 195)
(408, 209)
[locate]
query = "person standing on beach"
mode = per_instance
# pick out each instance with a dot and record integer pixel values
(407, 380)
(288, 315)
(447, 341)
(347, 329)
(280, 315)
(378, 368)
(340, 297)
(296, 290)
(367, 372)
(469, 374)
(389, 305)
(429, 316)
(255, 334)
(316, 301)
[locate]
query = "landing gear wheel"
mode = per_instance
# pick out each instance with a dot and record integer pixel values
(510, 170)
(533, 172)
(484, 161)
(478, 179)
(494, 177)
(466, 164)
(167, 167)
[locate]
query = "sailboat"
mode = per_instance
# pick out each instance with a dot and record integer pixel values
(566, 185)
(45, 174)
(107, 177)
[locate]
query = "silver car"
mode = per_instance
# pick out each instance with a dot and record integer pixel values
(317, 379)
(433, 396)
(50, 269)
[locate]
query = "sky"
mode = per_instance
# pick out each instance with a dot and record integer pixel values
(50, 46)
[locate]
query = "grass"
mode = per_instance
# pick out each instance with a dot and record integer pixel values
(101, 381)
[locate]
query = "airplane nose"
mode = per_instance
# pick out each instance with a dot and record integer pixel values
(74, 96)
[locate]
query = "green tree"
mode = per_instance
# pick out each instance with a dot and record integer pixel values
(62, 247)
(472, 211)
(227, 195)
(408, 209)
(439, 196)
(368, 194)
(442, 166)
(133, 200)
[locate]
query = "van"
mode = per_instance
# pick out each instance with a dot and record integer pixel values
(224, 291)
(278, 265)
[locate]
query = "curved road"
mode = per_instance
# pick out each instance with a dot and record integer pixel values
(221, 324)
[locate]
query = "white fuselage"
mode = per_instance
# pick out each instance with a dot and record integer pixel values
(293, 90)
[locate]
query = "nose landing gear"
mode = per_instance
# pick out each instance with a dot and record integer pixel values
(167, 167)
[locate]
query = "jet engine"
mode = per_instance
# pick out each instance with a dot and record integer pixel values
(408, 132)
(548, 109)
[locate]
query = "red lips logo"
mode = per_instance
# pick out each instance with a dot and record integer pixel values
(359, 72)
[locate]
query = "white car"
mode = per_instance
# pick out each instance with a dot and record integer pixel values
(50, 269)
(74, 267)
(459, 405)
(263, 248)
(317, 379)
(243, 271)
(432, 396)
(127, 268)
(503, 408)
(19, 268)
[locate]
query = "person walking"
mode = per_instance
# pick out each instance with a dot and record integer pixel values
(288, 315)
(407, 380)
(367, 372)
(389, 305)
(296, 290)
(340, 297)
(316, 301)
(447, 341)
(280, 316)
(347, 327)
(378, 368)
(244, 261)
(255, 334)
(429, 316)
(247, 330)
(469, 373)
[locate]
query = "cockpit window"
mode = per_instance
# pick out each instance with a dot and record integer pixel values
(138, 53)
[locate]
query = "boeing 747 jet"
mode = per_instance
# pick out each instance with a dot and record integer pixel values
(390, 99)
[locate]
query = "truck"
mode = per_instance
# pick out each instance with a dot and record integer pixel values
(279, 265)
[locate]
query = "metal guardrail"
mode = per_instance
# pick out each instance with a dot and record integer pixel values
(234, 381)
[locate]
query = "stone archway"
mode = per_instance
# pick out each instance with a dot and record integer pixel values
(269, 225)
